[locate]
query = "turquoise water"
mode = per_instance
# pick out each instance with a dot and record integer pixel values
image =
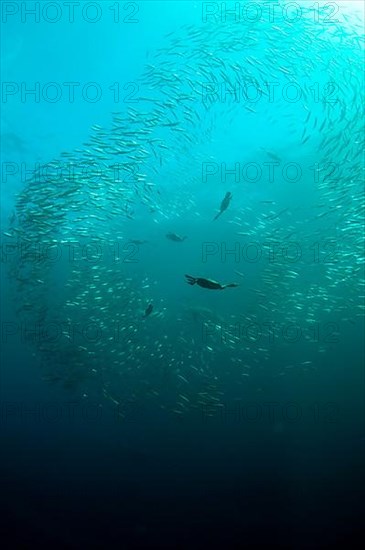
(138, 409)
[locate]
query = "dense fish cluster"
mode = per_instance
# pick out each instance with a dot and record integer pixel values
(101, 322)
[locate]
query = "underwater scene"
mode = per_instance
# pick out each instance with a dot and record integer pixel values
(182, 274)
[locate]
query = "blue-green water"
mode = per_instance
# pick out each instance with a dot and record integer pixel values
(138, 410)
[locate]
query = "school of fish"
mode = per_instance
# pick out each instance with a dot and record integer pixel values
(122, 340)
